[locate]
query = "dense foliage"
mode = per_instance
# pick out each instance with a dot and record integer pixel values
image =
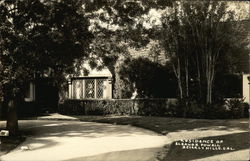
(201, 38)
(150, 79)
(234, 108)
(38, 38)
(146, 107)
(201, 41)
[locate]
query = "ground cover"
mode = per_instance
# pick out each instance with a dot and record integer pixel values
(9, 143)
(232, 134)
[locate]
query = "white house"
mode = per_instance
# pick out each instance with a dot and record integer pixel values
(97, 84)
(245, 88)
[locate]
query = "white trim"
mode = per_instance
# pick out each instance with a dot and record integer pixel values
(31, 93)
(95, 91)
(83, 89)
(245, 88)
(70, 93)
(107, 88)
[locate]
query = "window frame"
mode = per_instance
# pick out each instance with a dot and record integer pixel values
(31, 90)
(83, 80)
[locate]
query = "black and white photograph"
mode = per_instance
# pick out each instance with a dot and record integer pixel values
(124, 80)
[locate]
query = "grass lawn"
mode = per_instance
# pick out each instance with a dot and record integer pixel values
(232, 134)
(8, 143)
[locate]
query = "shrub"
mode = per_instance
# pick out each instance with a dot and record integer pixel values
(24, 109)
(235, 107)
(146, 107)
(195, 110)
(2, 112)
(29, 109)
(232, 108)
(153, 107)
(246, 109)
(172, 110)
(216, 111)
(223, 109)
(71, 107)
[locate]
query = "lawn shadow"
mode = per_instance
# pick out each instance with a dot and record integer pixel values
(164, 125)
(233, 132)
(9, 143)
(45, 134)
(77, 129)
(43, 143)
(126, 155)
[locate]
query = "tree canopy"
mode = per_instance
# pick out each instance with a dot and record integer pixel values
(39, 37)
(43, 37)
(198, 37)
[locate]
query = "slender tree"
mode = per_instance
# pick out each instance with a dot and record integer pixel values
(197, 36)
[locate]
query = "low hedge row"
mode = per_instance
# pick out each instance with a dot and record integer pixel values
(146, 107)
(230, 109)
(24, 109)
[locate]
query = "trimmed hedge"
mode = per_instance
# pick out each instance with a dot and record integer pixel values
(24, 109)
(28, 109)
(146, 107)
(229, 109)
(2, 112)
(237, 108)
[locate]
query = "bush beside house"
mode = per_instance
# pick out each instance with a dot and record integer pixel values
(232, 108)
(24, 109)
(146, 107)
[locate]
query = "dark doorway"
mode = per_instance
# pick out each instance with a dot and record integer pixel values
(46, 95)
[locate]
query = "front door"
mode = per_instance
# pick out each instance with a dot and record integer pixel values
(47, 95)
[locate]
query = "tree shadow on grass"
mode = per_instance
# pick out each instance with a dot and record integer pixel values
(9, 143)
(45, 134)
(40, 143)
(236, 141)
(164, 125)
(77, 129)
(126, 155)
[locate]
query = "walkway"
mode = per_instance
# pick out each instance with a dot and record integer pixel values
(73, 140)
(85, 141)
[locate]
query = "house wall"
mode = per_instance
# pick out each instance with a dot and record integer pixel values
(245, 87)
(77, 89)
(30, 95)
(108, 88)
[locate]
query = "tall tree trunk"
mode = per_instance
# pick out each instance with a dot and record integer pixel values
(198, 77)
(208, 100)
(207, 56)
(177, 71)
(182, 85)
(187, 77)
(12, 121)
(186, 100)
(210, 61)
